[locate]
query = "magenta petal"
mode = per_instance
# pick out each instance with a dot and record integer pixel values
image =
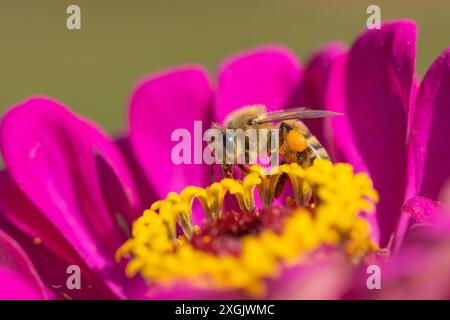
(420, 269)
(444, 197)
(325, 280)
(48, 248)
(430, 129)
(413, 278)
(159, 105)
(321, 86)
(411, 182)
(18, 278)
(52, 156)
(52, 267)
(17, 209)
(338, 133)
(380, 73)
(267, 75)
(428, 161)
(185, 291)
(146, 193)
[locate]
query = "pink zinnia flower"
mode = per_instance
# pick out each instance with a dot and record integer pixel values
(69, 193)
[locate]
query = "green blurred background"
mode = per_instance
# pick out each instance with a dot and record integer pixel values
(94, 69)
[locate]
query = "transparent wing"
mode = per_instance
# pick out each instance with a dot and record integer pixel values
(296, 113)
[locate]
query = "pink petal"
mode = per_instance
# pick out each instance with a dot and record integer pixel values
(146, 193)
(338, 133)
(52, 268)
(18, 278)
(380, 73)
(185, 291)
(53, 158)
(411, 187)
(51, 155)
(444, 196)
(159, 105)
(17, 209)
(324, 280)
(268, 75)
(418, 274)
(420, 269)
(430, 130)
(322, 89)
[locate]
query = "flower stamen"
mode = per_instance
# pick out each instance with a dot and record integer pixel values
(239, 250)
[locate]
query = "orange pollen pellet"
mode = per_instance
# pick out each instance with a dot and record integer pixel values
(296, 141)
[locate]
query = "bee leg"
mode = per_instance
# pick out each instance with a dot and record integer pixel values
(284, 129)
(244, 170)
(226, 171)
(306, 195)
(213, 176)
(280, 185)
(222, 172)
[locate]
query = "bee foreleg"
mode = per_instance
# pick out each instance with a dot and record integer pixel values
(280, 185)
(222, 172)
(244, 169)
(213, 175)
(226, 171)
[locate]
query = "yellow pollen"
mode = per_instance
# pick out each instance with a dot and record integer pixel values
(334, 220)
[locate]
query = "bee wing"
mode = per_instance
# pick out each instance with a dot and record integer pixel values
(296, 113)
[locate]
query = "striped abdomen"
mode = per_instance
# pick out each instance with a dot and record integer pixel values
(314, 149)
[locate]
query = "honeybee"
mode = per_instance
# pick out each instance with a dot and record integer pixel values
(296, 142)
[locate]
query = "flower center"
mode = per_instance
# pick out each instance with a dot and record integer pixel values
(224, 236)
(239, 249)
